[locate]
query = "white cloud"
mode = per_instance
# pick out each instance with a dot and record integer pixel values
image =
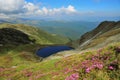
(3, 16)
(30, 7)
(11, 6)
(57, 11)
(45, 10)
(35, 10)
(21, 8)
(71, 8)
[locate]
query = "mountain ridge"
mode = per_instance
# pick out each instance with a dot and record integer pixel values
(71, 29)
(110, 28)
(40, 36)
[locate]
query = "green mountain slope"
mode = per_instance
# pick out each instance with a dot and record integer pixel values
(40, 36)
(106, 32)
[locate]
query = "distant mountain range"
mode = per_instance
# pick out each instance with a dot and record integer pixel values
(70, 29)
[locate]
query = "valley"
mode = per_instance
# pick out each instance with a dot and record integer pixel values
(96, 54)
(59, 39)
(70, 29)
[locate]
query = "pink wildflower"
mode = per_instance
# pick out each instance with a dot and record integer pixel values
(93, 58)
(87, 70)
(99, 66)
(74, 76)
(111, 67)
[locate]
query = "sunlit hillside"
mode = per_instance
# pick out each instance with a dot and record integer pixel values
(40, 36)
(101, 64)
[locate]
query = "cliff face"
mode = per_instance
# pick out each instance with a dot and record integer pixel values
(100, 34)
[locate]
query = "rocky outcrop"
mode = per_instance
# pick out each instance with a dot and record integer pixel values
(13, 36)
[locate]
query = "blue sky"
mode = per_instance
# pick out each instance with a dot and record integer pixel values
(84, 5)
(62, 9)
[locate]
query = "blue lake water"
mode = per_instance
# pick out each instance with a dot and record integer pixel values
(47, 51)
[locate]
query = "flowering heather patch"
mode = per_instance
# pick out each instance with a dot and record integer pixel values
(92, 64)
(74, 76)
(102, 64)
(100, 61)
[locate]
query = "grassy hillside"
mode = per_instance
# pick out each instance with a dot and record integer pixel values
(40, 36)
(104, 39)
(101, 64)
(107, 32)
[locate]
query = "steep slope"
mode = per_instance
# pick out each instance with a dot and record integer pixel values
(105, 33)
(13, 36)
(40, 36)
